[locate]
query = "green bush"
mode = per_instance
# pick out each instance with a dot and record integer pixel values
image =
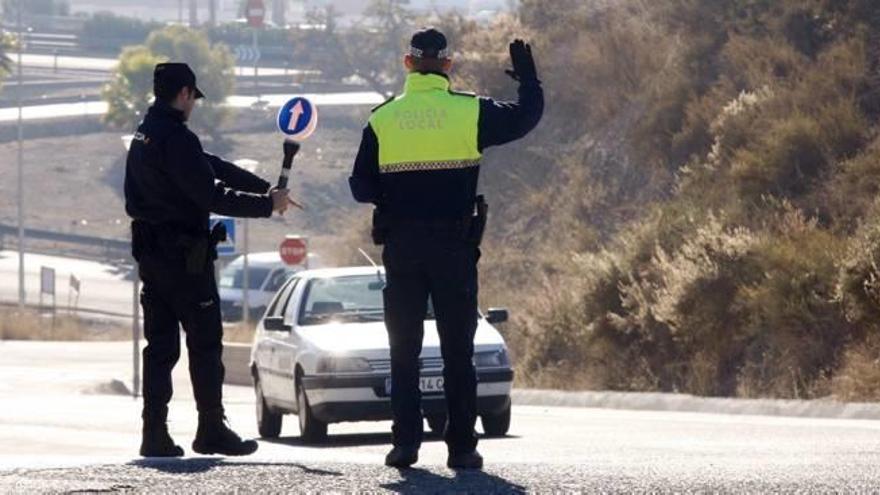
(130, 91)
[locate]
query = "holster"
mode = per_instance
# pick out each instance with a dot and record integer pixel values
(478, 222)
(199, 250)
(381, 227)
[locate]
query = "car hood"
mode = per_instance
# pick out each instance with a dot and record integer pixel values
(367, 337)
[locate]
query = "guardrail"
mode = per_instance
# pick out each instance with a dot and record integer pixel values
(117, 247)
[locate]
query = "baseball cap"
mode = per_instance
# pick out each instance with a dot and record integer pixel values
(169, 78)
(428, 43)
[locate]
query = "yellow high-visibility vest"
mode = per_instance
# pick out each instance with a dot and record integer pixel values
(428, 127)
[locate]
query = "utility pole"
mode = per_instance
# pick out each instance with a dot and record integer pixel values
(279, 12)
(256, 47)
(212, 13)
(246, 279)
(193, 13)
(180, 11)
(21, 292)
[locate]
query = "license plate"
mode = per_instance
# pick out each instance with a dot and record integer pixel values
(427, 384)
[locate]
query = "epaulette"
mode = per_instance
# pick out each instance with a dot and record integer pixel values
(389, 100)
(463, 93)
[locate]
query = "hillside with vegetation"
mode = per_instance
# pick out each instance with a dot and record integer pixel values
(698, 210)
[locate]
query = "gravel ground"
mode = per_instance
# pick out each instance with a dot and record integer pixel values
(215, 475)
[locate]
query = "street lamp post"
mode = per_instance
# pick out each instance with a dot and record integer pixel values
(250, 166)
(21, 289)
(135, 312)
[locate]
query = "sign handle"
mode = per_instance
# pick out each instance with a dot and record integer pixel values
(290, 150)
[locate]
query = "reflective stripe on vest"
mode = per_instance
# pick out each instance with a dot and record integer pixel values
(427, 128)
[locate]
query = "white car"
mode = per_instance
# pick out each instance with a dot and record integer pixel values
(266, 274)
(321, 352)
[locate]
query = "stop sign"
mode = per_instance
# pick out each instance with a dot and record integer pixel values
(255, 12)
(293, 250)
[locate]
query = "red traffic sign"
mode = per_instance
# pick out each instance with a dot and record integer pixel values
(255, 12)
(293, 250)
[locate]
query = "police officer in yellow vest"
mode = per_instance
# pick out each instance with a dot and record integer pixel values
(419, 162)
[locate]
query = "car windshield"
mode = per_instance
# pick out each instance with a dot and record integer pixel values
(232, 277)
(351, 298)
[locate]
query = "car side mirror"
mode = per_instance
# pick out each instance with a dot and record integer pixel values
(275, 324)
(497, 315)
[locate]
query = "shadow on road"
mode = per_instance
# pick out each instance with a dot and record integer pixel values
(345, 440)
(204, 464)
(356, 440)
(418, 481)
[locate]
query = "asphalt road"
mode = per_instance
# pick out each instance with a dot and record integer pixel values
(104, 64)
(72, 91)
(103, 287)
(62, 429)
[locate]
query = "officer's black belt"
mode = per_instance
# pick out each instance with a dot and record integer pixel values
(197, 245)
(431, 226)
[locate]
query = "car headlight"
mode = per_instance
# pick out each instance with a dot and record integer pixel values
(335, 364)
(492, 359)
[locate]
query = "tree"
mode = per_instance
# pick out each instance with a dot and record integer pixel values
(371, 49)
(130, 91)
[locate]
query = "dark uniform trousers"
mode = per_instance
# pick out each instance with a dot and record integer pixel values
(170, 297)
(442, 266)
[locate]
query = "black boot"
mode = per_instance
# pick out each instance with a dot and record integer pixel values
(470, 460)
(402, 457)
(155, 440)
(214, 437)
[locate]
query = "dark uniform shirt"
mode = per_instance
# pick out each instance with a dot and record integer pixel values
(443, 194)
(170, 180)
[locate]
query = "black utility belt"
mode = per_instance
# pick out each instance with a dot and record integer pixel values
(197, 246)
(439, 226)
(157, 231)
(469, 227)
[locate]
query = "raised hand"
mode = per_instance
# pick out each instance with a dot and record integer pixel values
(522, 61)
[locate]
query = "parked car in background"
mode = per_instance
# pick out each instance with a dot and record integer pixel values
(321, 352)
(266, 274)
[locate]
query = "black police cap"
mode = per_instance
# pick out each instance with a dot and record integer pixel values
(169, 78)
(428, 43)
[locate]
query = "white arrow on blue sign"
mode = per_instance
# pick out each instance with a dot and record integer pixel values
(298, 118)
(244, 53)
(227, 247)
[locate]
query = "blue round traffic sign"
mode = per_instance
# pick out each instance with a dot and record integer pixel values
(298, 118)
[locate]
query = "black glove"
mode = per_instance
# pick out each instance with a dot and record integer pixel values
(523, 64)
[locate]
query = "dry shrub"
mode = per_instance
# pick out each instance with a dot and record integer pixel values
(352, 234)
(784, 162)
(239, 333)
(858, 378)
(686, 294)
(858, 284)
(795, 327)
(34, 325)
(853, 188)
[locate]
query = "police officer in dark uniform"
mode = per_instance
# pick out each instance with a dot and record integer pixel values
(171, 186)
(419, 163)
